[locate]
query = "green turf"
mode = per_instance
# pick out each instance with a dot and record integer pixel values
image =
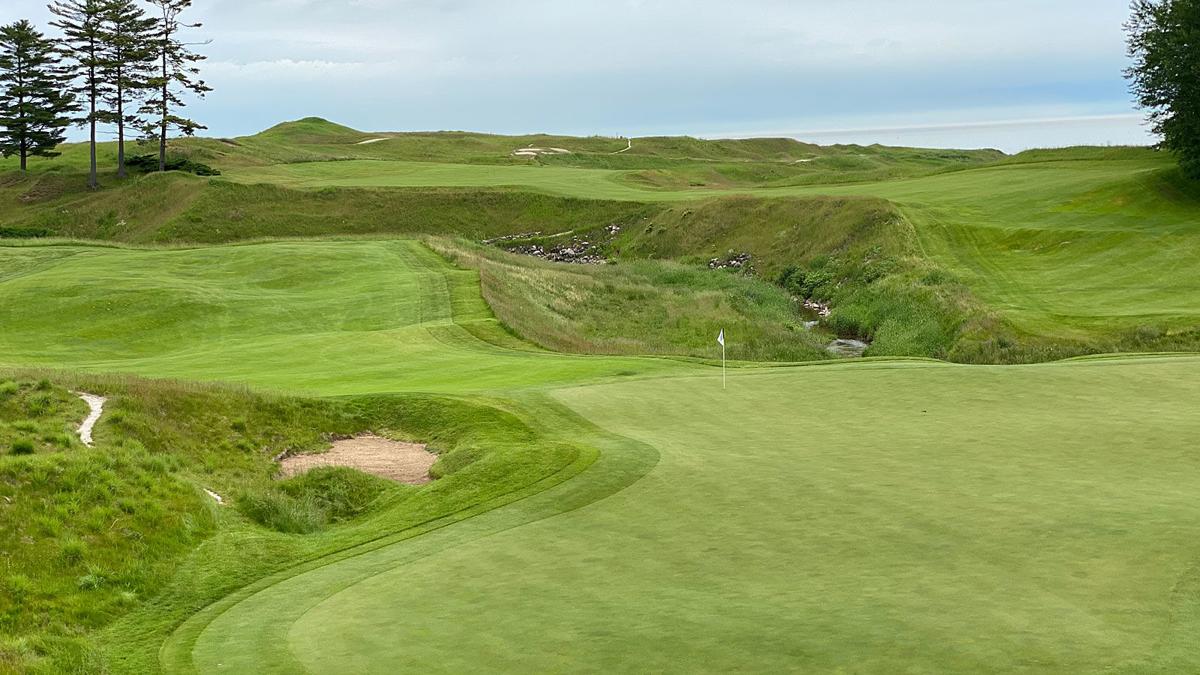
(1070, 249)
(878, 516)
(947, 518)
(1042, 255)
(978, 519)
(312, 317)
(639, 307)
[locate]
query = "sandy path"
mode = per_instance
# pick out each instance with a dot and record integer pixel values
(403, 462)
(96, 403)
(370, 141)
(534, 152)
(627, 148)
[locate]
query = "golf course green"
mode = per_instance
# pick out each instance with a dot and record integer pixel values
(602, 500)
(843, 517)
(1059, 245)
(274, 315)
(833, 518)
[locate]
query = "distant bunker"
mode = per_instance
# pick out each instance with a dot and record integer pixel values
(383, 457)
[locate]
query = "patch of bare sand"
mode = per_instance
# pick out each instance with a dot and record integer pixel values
(403, 462)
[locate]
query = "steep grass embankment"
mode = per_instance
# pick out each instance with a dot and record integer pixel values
(637, 307)
(858, 254)
(125, 533)
(178, 208)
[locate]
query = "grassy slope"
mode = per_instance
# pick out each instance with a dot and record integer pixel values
(1044, 255)
(641, 307)
(671, 569)
(968, 527)
(275, 314)
(92, 535)
(1065, 251)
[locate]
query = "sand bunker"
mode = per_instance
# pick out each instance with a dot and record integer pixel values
(403, 462)
(534, 152)
(370, 141)
(96, 405)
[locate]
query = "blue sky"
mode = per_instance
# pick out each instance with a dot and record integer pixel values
(1010, 74)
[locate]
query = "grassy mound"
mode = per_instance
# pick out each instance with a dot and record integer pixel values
(313, 500)
(126, 530)
(638, 307)
(969, 256)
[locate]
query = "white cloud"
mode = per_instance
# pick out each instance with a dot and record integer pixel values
(629, 65)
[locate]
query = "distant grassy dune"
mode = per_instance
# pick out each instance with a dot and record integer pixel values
(967, 255)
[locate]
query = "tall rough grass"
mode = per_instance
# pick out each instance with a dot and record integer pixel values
(638, 307)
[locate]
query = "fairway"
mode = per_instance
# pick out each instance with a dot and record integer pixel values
(819, 517)
(274, 315)
(1062, 248)
(964, 519)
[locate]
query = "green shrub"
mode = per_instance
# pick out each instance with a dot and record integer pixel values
(317, 498)
(22, 447)
(340, 493)
(18, 586)
(71, 551)
(149, 164)
(282, 512)
(8, 388)
(24, 232)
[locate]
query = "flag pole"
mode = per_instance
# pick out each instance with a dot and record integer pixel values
(721, 341)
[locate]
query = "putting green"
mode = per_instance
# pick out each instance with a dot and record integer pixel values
(852, 517)
(840, 517)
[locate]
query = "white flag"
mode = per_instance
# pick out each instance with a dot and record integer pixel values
(721, 337)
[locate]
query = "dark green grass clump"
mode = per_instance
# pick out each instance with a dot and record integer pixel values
(317, 498)
(36, 417)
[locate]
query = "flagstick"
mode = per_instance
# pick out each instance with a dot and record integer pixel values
(722, 365)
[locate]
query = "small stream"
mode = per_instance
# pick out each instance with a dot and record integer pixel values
(811, 314)
(847, 348)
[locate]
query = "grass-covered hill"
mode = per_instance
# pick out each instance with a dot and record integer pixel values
(742, 525)
(108, 548)
(970, 256)
(605, 495)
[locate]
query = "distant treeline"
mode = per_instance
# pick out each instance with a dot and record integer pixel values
(120, 63)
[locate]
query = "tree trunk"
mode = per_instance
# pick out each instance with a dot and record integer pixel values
(24, 130)
(120, 127)
(93, 183)
(162, 131)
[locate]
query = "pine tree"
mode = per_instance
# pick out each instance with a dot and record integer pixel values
(128, 65)
(82, 24)
(1165, 76)
(176, 76)
(34, 105)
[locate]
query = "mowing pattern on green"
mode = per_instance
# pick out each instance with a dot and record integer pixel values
(976, 518)
(317, 317)
(1062, 248)
(948, 518)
